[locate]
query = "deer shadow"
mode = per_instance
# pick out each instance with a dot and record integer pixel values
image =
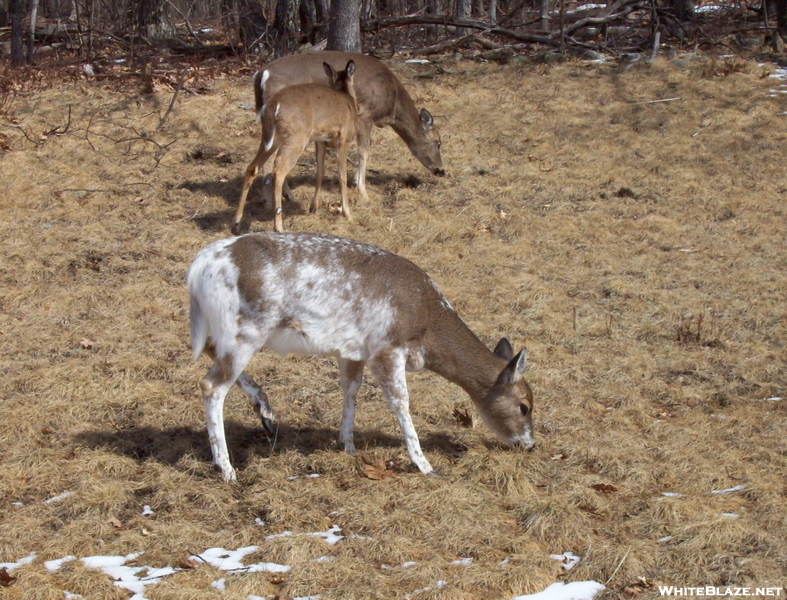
(257, 210)
(168, 446)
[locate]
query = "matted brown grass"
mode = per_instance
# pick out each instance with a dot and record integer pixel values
(637, 250)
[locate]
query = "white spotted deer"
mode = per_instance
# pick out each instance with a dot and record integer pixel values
(296, 116)
(310, 293)
(381, 98)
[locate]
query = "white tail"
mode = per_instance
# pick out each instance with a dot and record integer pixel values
(294, 117)
(382, 100)
(317, 294)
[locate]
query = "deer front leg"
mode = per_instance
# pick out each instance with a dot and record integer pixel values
(364, 140)
(341, 158)
(388, 367)
(320, 152)
(248, 178)
(350, 378)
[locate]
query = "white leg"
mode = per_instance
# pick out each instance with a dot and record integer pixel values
(350, 377)
(388, 367)
(258, 399)
(215, 385)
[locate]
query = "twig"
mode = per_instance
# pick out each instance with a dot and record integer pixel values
(620, 564)
(174, 97)
(654, 101)
(186, 21)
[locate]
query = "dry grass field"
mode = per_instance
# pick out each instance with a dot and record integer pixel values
(636, 248)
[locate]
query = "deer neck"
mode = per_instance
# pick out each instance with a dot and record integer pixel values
(406, 123)
(455, 353)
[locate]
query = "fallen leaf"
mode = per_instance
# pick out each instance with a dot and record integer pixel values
(561, 456)
(376, 470)
(5, 578)
(604, 488)
(276, 579)
(463, 418)
(115, 523)
(145, 532)
(184, 563)
(86, 343)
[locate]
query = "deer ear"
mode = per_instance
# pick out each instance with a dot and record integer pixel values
(504, 349)
(514, 369)
(350, 68)
(426, 118)
(329, 71)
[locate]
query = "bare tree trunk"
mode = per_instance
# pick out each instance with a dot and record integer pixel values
(344, 31)
(17, 10)
(544, 15)
(286, 25)
(684, 9)
(32, 34)
(478, 8)
(152, 18)
(781, 19)
(493, 11)
(462, 11)
(252, 25)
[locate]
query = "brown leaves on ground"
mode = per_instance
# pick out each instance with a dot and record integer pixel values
(376, 470)
(5, 578)
(604, 488)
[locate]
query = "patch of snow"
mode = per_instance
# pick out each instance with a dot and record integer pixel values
(465, 562)
(230, 560)
(331, 536)
(10, 566)
(219, 585)
(70, 596)
(418, 61)
(325, 559)
(569, 559)
(59, 497)
(408, 564)
(736, 488)
(17, 504)
(731, 515)
(54, 565)
(665, 539)
(709, 8)
(147, 511)
(673, 495)
(310, 476)
(259, 522)
(577, 590)
(774, 398)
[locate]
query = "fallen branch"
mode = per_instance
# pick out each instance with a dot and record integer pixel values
(174, 97)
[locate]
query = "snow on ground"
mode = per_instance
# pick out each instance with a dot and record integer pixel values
(577, 590)
(569, 559)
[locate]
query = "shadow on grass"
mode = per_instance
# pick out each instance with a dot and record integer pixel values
(256, 210)
(168, 446)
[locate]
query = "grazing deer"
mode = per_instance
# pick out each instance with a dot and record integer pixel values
(294, 117)
(310, 293)
(382, 100)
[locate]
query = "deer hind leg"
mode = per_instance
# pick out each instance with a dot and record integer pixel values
(388, 367)
(364, 142)
(320, 153)
(286, 159)
(258, 399)
(341, 158)
(215, 385)
(350, 378)
(251, 173)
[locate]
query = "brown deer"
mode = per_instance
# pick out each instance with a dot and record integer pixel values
(381, 98)
(311, 293)
(296, 116)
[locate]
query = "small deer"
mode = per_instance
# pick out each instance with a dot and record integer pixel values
(296, 116)
(310, 293)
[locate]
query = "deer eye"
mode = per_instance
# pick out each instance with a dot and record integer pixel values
(524, 409)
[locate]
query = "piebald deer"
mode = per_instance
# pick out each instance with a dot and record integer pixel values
(311, 293)
(296, 116)
(382, 100)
